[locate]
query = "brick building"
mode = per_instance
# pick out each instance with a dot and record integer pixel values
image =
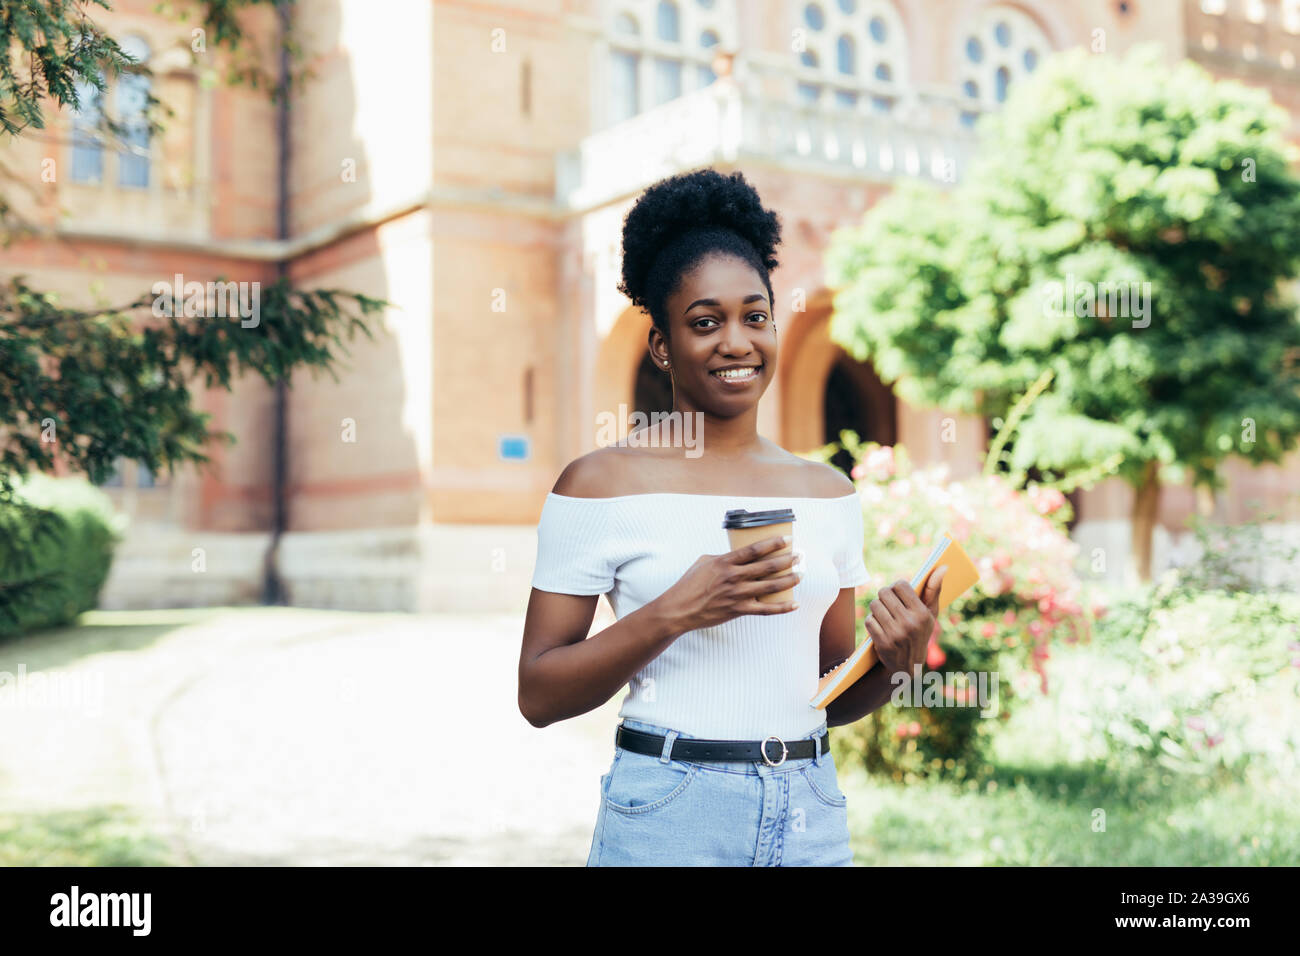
(471, 162)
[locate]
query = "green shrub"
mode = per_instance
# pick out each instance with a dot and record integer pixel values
(999, 632)
(56, 546)
(1203, 679)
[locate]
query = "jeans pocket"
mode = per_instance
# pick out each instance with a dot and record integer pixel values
(824, 784)
(640, 784)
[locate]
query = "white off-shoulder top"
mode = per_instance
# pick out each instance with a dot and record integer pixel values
(744, 679)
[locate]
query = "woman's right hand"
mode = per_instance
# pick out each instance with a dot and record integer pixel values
(719, 587)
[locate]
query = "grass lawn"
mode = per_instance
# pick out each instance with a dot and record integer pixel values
(1041, 806)
(107, 836)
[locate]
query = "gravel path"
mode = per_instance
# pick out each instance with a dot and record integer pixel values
(284, 736)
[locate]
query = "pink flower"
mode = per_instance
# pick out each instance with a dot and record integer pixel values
(1045, 500)
(879, 463)
(988, 630)
(914, 728)
(1036, 628)
(1009, 617)
(1196, 723)
(934, 655)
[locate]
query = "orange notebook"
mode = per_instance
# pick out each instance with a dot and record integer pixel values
(957, 580)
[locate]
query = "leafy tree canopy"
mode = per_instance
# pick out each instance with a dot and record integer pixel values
(1097, 177)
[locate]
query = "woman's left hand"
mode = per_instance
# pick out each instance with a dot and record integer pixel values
(902, 622)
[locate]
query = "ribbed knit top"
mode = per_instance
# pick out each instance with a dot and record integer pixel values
(744, 679)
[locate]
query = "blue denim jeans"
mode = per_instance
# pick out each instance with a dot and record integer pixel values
(656, 811)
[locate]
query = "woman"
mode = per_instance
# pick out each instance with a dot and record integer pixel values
(719, 759)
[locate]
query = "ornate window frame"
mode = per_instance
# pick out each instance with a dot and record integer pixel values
(659, 50)
(849, 54)
(1000, 45)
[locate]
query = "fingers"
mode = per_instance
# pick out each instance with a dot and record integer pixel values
(899, 597)
(765, 607)
(759, 549)
(769, 585)
(876, 634)
(879, 610)
(767, 567)
(932, 588)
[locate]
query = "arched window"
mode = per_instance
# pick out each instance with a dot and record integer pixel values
(624, 69)
(853, 53)
(87, 151)
(846, 54)
(1001, 45)
(130, 95)
(132, 99)
(662, 49)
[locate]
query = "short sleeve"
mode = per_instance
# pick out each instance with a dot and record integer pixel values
(573, 549)
(853, 571)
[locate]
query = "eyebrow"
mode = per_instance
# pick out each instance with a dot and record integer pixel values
(756, 297)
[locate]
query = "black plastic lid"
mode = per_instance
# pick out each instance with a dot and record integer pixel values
(740, 518)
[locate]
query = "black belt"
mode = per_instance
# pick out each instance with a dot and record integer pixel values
(773, 751)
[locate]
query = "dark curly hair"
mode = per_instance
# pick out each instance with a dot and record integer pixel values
(681, 220)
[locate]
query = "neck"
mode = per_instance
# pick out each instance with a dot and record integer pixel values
(727, 438)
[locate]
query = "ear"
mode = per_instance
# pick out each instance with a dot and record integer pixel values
(658, 348)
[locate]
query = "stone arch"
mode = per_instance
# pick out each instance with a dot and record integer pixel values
(618, 359)
(825, 389)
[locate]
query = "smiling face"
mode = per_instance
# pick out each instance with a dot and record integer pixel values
(723, 352)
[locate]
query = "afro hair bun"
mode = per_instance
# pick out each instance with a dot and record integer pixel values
(701, 200)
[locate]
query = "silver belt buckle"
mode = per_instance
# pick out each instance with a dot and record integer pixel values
(762, 748)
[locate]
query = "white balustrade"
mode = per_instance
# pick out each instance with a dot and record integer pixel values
(921, 137)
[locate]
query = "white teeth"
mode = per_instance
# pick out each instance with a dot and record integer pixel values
(737, 373)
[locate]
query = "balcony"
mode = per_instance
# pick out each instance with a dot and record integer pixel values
(921, 138)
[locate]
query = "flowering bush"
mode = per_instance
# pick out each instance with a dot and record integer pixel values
(1203, 669)
(992, 644)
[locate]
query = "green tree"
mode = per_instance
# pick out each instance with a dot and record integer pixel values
(94, 385)
(1131, 227)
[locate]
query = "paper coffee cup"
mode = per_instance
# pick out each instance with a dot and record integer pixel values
(746, 527)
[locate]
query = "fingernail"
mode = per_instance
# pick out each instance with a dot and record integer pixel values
(786, 539)
(793, 605)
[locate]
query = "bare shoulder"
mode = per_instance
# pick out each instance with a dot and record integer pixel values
(827, 481)
(593, 475)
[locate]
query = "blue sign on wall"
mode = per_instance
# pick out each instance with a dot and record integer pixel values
(513, 447)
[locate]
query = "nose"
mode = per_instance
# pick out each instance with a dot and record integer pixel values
(735, 340)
